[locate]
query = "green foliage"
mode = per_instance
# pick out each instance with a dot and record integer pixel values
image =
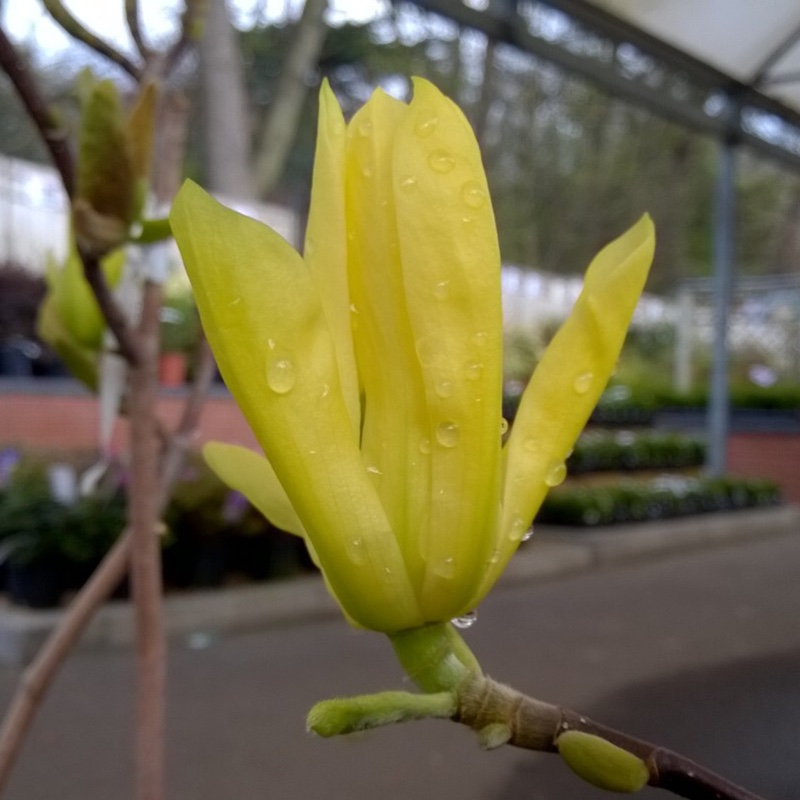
(624, 450)
(638, 501)
(35, 527)
(180, 324)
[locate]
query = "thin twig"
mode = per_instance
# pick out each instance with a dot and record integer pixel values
(135, 28)
(36, 679)
(50, 129)
(127, 340)
(190, 27)
(75, 29)
(536, 725)
(146, 555)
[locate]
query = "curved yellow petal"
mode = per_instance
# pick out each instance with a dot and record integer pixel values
(264, 320)
(568, 382)
(395, 428)
(325, 250)
(451, 276)
(252, 475)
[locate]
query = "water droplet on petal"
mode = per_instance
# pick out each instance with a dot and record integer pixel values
(503, 426)
(367, 171)
(480, 338)
(271, 344)
(447, 434)
(583, 382)
(441, 161)
(374, 470)
(446, 568)
(441, 290)
(494, 557)
(467, 620)
(408, 183)
(444, 389)
(531, 445)
(425, 446)
(280, 375)
(473, 371)
(356, 551)
(365, 127)
(527, 535)
(472, 194)
(326, 390)
(426, 125)
(518, 528)
(556, 474)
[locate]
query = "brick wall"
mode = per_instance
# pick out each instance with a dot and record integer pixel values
(41, 417)
(68, 420)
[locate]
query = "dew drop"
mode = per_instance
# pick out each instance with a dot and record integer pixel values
(441, 290)
(280, 375)
(326, 390)
(556, 474)
(356, 551)
(367, 171)
(425, 446)
(365, 127)
(446, 568)
(473, 371)
(494, 557)
(527, 535)
(530, 445)
(271, 344)
(441, 161)
(425, 126)
(444, 389)
(472, 194)
(408, 183)
(503, 426)
(518, 528)
(466, 621)
(480, 338)
(353, 309)
(583, 382)
(374, 470)
(447, 434)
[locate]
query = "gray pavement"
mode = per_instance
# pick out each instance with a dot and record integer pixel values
(697, 650)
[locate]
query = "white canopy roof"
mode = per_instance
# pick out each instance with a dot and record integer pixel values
(756, 42)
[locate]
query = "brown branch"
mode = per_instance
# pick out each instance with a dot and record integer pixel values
(146, 556)
(39, 675)
(75, 29)
(127, 341)
(191, 28)
(536, 725)
(37, 678)
(135, 28)
(47, 123)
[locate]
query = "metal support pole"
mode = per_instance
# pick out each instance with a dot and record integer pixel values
(724, 236)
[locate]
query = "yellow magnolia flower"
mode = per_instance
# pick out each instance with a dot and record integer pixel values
(370, 368)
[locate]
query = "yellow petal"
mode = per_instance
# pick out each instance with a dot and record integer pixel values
(264, 321)
(326, 243)
(252, 475)
(569, 380)
(451, 274)
(395, 427)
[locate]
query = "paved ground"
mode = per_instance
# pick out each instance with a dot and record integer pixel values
(699, 651)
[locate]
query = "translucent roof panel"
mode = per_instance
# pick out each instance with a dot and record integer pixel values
(757, 42)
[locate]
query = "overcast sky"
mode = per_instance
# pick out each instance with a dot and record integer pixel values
(26, 20)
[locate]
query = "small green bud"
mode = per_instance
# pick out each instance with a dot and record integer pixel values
(601, 763)
(495, 735)
(349, 714)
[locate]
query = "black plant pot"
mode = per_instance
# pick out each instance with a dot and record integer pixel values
(38, 584)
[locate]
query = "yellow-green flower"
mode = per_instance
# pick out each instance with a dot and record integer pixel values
(370, 368)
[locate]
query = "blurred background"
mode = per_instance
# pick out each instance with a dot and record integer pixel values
(702, 416)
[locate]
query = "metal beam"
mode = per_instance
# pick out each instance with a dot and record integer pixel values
(502, 22)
